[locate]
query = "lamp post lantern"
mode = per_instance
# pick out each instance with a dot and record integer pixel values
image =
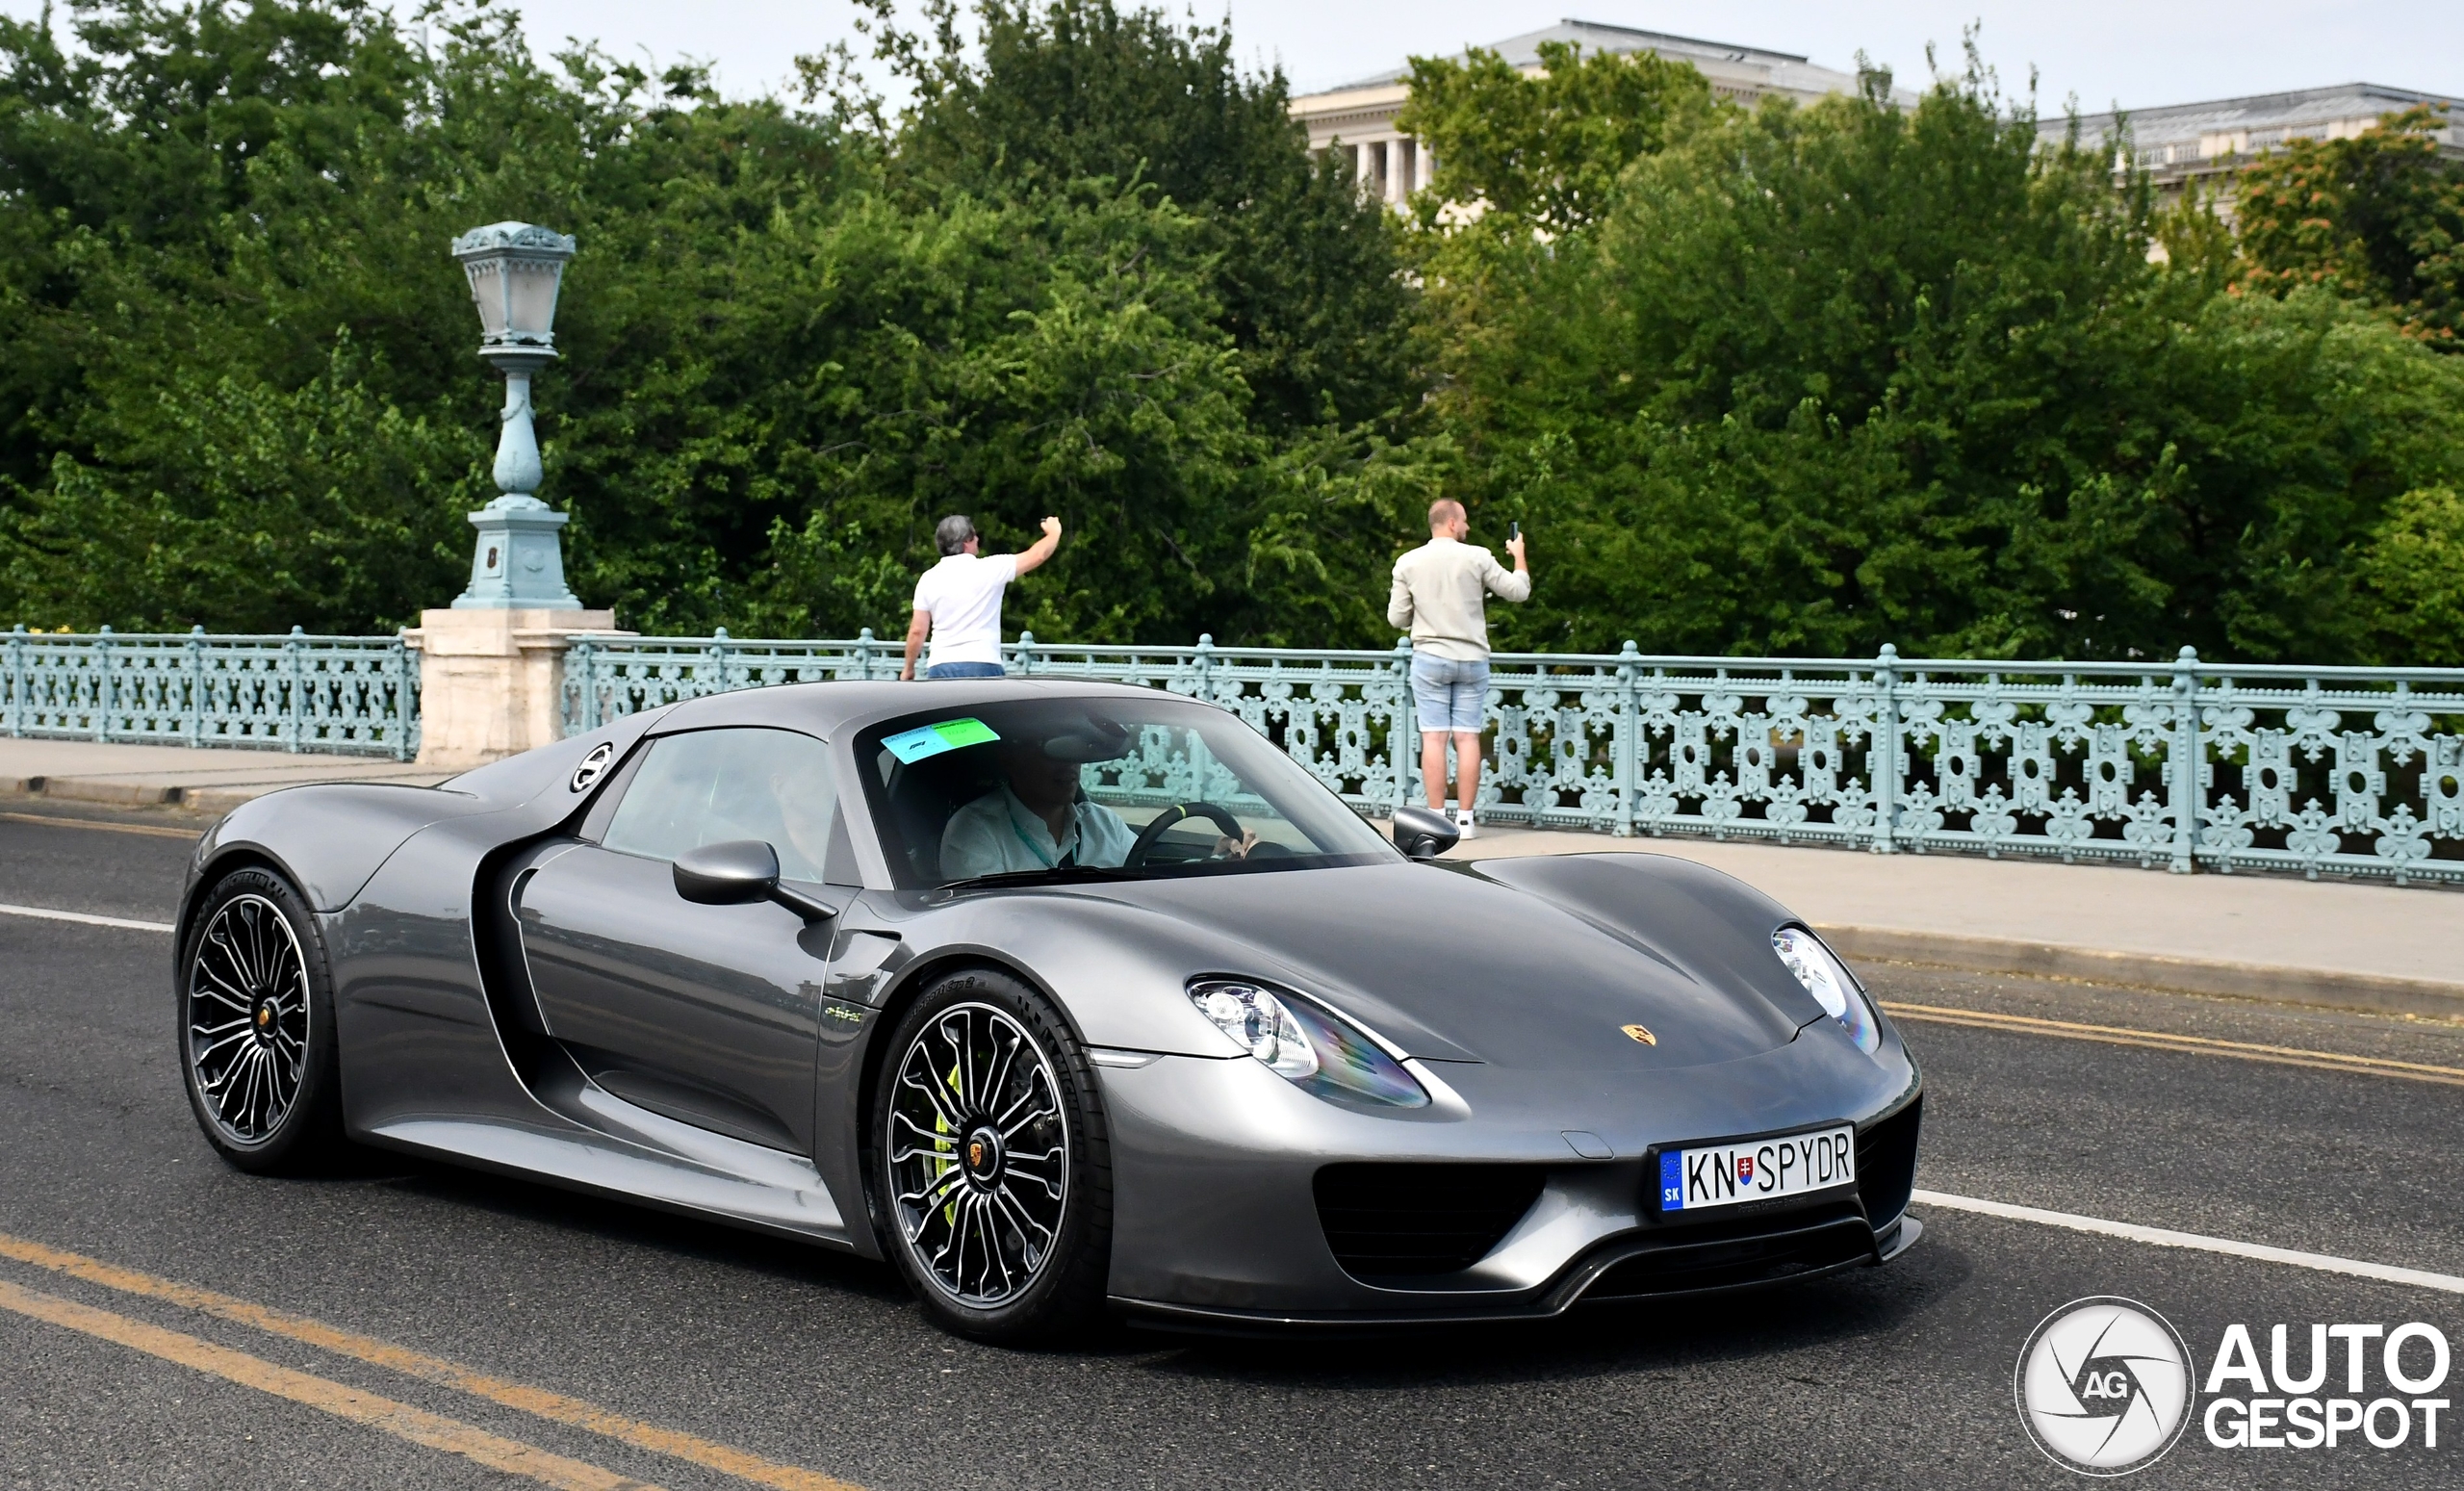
(515, 270)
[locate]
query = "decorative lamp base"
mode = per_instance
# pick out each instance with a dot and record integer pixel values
(519, 562)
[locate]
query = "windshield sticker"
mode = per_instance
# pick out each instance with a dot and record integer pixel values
(914, 745)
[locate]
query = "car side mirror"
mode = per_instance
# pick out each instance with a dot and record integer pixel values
(738, 873)
(1424, 833)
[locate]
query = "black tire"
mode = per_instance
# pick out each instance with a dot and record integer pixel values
(963, 1166)
(256, 1027)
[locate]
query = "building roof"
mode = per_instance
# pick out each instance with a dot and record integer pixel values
(1781, 71)
(2259, 122)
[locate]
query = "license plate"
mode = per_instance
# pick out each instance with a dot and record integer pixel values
(1761, 1169)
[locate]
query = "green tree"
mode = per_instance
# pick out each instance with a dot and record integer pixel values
(788, 346)
(1544, 153)
(1048, 93)
(1825, 377)
(2377, 216)
(2413, 569)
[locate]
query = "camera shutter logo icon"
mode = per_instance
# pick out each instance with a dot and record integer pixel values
(2104, 1386)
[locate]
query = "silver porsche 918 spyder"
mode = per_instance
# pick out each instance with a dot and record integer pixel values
(1068, 998)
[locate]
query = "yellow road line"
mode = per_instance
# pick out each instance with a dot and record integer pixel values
(540, 1401)
(61, 820)
(401, 1420)
(2166, 1041)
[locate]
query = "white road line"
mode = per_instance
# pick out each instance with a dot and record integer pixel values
(2161, 1237)
(48, 915)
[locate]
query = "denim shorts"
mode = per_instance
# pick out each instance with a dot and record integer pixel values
(1452, 694)
(964, 670)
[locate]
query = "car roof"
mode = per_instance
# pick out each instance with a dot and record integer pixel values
(827, 710)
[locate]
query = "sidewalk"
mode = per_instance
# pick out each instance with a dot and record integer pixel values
(2354, 946)
(2328, 943)
(210, 779)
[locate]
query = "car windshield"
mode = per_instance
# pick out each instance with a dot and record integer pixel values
(1098, 788)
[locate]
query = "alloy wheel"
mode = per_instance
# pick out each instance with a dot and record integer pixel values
(247, 1017)
(979, 1154)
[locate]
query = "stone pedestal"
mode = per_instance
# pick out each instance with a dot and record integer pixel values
(491, 681)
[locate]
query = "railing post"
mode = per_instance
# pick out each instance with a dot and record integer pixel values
(1405, 735)
(2185, 756)
(295, 703)
(398, 672)
(106, 687)
(864, 655)
(1882, 758)
(1026, 652)
(1629, 727)
(193, 712)
(19, 682)
(1206, 666)
(581, 690)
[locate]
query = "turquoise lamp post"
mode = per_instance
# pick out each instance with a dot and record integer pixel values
(515, 270)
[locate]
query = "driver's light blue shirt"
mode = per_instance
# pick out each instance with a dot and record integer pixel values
(998, 834)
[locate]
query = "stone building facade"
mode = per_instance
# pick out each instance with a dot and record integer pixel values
(2210, 143)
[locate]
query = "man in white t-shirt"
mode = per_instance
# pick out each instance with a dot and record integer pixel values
(957, 602)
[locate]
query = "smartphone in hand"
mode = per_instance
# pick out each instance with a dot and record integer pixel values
(1513, 530)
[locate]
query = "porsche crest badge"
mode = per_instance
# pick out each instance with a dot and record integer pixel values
(1641, 1033)
(975, 1154)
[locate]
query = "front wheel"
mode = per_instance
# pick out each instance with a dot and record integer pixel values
(256, 1026)
(991, 1163)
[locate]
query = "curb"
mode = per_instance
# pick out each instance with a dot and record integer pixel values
(128, 794)
(2375, 992)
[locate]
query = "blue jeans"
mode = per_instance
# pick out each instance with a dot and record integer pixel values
(964, 670)
(1451, 695)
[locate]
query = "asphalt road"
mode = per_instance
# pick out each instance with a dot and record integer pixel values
(1893, 1377)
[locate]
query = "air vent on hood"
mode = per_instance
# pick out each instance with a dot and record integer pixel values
(1414, 1220)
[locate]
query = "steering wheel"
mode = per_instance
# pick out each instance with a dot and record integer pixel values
(1147, 837)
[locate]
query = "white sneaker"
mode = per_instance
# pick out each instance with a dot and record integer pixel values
(1464, 826)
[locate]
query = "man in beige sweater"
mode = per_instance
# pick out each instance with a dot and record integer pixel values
(1441, 591)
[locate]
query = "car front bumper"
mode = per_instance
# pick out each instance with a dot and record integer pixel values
(1216, 1223)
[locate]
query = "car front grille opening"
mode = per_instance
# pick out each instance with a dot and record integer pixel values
(1887, 1164)
(1737, 1255)
(1389, 1222)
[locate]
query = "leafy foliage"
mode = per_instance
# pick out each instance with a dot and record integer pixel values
(1544, 153)
(1825, 377)
(2415, 564)
(1796, 379)
(2377, 216)
(790, 342)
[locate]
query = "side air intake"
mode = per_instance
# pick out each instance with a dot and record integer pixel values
(1414, 1221)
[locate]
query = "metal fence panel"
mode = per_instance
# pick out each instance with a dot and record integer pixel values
(351, 696)
(2174, 764)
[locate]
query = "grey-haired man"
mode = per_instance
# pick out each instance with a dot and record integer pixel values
(957, 602)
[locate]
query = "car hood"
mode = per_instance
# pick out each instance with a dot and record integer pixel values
(1454, 964)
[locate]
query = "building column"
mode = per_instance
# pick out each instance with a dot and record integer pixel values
(1401, 154)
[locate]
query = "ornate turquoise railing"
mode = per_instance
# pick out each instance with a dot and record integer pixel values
(356, 696)
(2179, 764)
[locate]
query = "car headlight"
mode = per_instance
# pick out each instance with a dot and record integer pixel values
(1827, 979)
(1308, 1045)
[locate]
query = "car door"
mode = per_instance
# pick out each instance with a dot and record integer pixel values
(704, 1014)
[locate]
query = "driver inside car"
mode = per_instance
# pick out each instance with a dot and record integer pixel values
(1038, 819)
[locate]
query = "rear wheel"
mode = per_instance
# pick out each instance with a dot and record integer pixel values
(256, 1026)
(990, 1155)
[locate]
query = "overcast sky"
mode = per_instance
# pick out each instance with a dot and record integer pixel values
(2131, 52)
